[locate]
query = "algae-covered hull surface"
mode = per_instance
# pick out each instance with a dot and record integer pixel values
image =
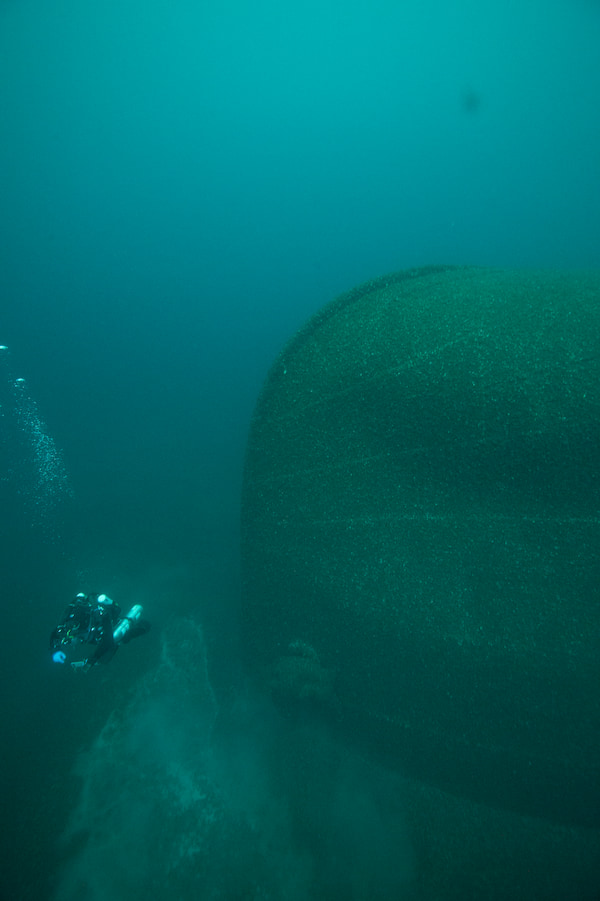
(421, 510)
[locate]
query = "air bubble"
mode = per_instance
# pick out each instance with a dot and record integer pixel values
(31, 461)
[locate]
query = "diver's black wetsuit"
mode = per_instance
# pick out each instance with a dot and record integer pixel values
(88, 621)
(92, 620)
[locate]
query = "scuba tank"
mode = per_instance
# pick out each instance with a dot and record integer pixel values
(124, 625)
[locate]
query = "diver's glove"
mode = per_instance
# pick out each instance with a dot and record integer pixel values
(59, 656)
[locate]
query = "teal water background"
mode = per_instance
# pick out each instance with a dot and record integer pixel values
(182, 184)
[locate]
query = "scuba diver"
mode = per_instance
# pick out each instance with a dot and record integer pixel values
(94, 620)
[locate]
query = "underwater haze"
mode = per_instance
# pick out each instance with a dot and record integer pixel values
(182, 184)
